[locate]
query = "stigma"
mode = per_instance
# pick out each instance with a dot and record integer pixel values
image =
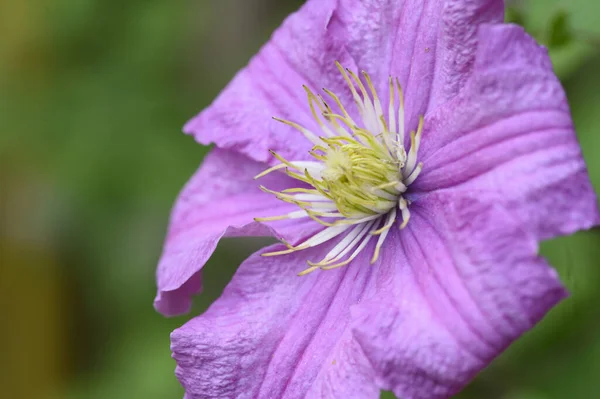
(356, 182)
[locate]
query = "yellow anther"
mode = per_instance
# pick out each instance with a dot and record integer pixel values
(266, 172)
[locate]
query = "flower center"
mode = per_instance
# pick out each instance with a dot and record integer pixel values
(356, 182)
(360, 179)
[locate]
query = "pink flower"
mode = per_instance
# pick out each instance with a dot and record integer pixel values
(417, 191)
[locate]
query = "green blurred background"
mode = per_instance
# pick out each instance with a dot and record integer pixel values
(93, 94)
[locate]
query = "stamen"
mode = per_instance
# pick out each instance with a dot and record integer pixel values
(357, 221)
(297, 176)
(376, 102)
(401, 187)
(284, 252)
(314, 168)
(326, 214)
(305, 191)
(362, 245)
(415, 141)
(307, 133)
(358, 176)
(326, 235)
(328, 111)
(342, 119)
(414, 174)
(291, 215)
(321, 222)
(400, 114)
(419, 132)
(370, 115)
(401, 155)
(312, 99)
(403, 205)
(355, 95)
(389, 144)
(307, 271)
(341, 107)
(389, 221)
(344, 246)
(392, 107)
(266, 172)
(323, 205)
(412, 158)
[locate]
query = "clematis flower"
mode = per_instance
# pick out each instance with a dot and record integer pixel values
(419, 152)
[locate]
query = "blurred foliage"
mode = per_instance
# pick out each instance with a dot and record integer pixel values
(560, 33)
(92, 97)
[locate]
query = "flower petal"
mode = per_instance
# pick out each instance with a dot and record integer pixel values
(509, 132)
(301, 52)
(468, 283)
(273, 334)
(449, 293)
(429, 45)
(220, 200)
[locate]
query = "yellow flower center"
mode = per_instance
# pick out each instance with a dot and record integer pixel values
(360, 179)
(359, 174)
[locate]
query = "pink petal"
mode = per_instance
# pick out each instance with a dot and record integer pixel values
(448, 294)
(302, 51)
(509, 132)
(428, 45)
(468, 282)
(273, 334)
(220, 200)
